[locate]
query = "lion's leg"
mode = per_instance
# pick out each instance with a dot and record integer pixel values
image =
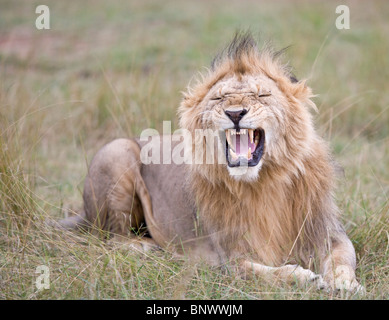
(125, 214)
(125, 218)
(110, 199)
(287, 273)
(339, 265)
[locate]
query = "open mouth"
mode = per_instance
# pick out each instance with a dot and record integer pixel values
(244, 147)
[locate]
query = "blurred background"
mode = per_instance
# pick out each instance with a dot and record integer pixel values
(109, 69)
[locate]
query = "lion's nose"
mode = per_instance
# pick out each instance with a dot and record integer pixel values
(236, 116)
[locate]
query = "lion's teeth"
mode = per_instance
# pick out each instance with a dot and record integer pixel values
(251, 134)
(233, 155)
(241, 131)
(228, 136)
(249, 154)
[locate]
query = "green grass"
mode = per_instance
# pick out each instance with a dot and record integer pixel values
(111, 69)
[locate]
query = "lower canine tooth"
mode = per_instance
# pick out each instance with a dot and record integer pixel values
(233, 155)
(249, 154)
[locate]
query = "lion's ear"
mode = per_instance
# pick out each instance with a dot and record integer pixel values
(303, 92)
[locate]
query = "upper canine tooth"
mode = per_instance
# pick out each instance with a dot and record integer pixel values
(251, 134)
(228, 136)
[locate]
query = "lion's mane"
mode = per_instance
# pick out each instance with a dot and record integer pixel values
(285, 214)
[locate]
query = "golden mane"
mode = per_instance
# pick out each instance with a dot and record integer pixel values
(285, 213)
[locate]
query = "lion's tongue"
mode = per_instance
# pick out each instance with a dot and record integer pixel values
(242, 145)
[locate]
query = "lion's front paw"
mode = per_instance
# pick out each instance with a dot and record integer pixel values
(344, 280)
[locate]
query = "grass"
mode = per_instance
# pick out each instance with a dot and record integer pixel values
(111, 69)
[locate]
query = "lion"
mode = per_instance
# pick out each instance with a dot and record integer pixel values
(269, 206)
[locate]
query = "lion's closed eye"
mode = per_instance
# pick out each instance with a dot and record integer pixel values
(264, 94)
